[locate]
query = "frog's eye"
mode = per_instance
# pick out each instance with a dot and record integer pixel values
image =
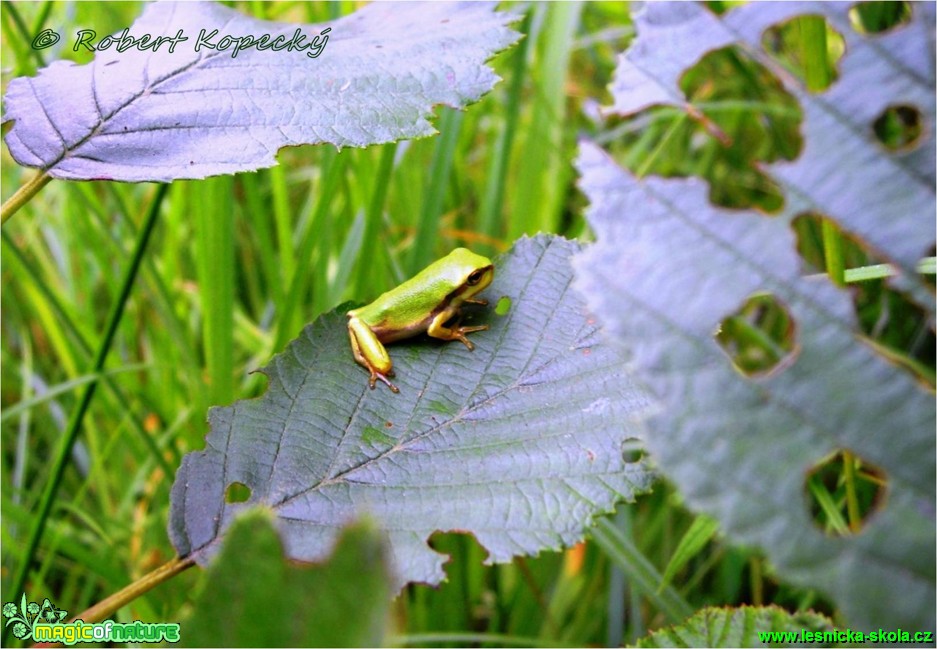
(475, 277)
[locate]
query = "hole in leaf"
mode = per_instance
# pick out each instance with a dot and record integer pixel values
(899, 327)
(719, 7)
(741, 117)
(878, 17)
(632, 450)
(808, 47)
(503, 305)
(759, 336)
(237, 492)
(898, 127)
(745, 117)
(808, 228)
(844, 491)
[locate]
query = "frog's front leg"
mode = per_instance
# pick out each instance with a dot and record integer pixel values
(370, 353)
(438, 329)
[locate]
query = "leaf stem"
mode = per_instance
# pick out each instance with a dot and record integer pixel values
(107, 606)
(23, 195)
(74, 425)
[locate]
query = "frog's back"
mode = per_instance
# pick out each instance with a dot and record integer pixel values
(414, 303)
(405, 303)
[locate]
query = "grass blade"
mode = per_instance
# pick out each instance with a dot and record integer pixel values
(78, 415)
(427, 228)
(215, 246)
(366, 275)
(643, 575)
(702, 529)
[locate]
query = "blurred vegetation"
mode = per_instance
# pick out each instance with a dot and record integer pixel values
(237, 265)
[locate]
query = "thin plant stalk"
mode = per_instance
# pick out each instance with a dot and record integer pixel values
(72, 329)
(427, 228)
(109, 605)
(833, 252)
(852, 499)
(23, 195)
(492, 203)
(67, 441)
(639, 570)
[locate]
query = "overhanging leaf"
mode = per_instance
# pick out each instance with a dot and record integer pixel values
(253, 597)
(743, 627)
(159, 116)
(668, 268)
(840, 146)
(520, 442)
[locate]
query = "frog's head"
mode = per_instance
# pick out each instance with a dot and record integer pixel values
(474, 272)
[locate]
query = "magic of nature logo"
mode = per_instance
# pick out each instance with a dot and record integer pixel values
(45, 623)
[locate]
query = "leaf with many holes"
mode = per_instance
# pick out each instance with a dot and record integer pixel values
(521, 442)
(669, 267)
(840, 146)
(255, 598)
(143, 115)
(741, 627)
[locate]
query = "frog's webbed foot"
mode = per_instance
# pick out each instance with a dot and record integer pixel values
(458, 333)
(375, 376)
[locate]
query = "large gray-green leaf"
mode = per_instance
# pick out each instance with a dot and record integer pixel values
(840, 147)
(254, 597)
(748, 626)
(520, 442)
(669, 267)
(164, 115)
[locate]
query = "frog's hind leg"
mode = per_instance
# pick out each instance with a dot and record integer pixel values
(377, 362)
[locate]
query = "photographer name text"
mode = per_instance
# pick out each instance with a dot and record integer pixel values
(313, 46)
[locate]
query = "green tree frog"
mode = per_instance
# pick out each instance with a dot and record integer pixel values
(424, 303)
